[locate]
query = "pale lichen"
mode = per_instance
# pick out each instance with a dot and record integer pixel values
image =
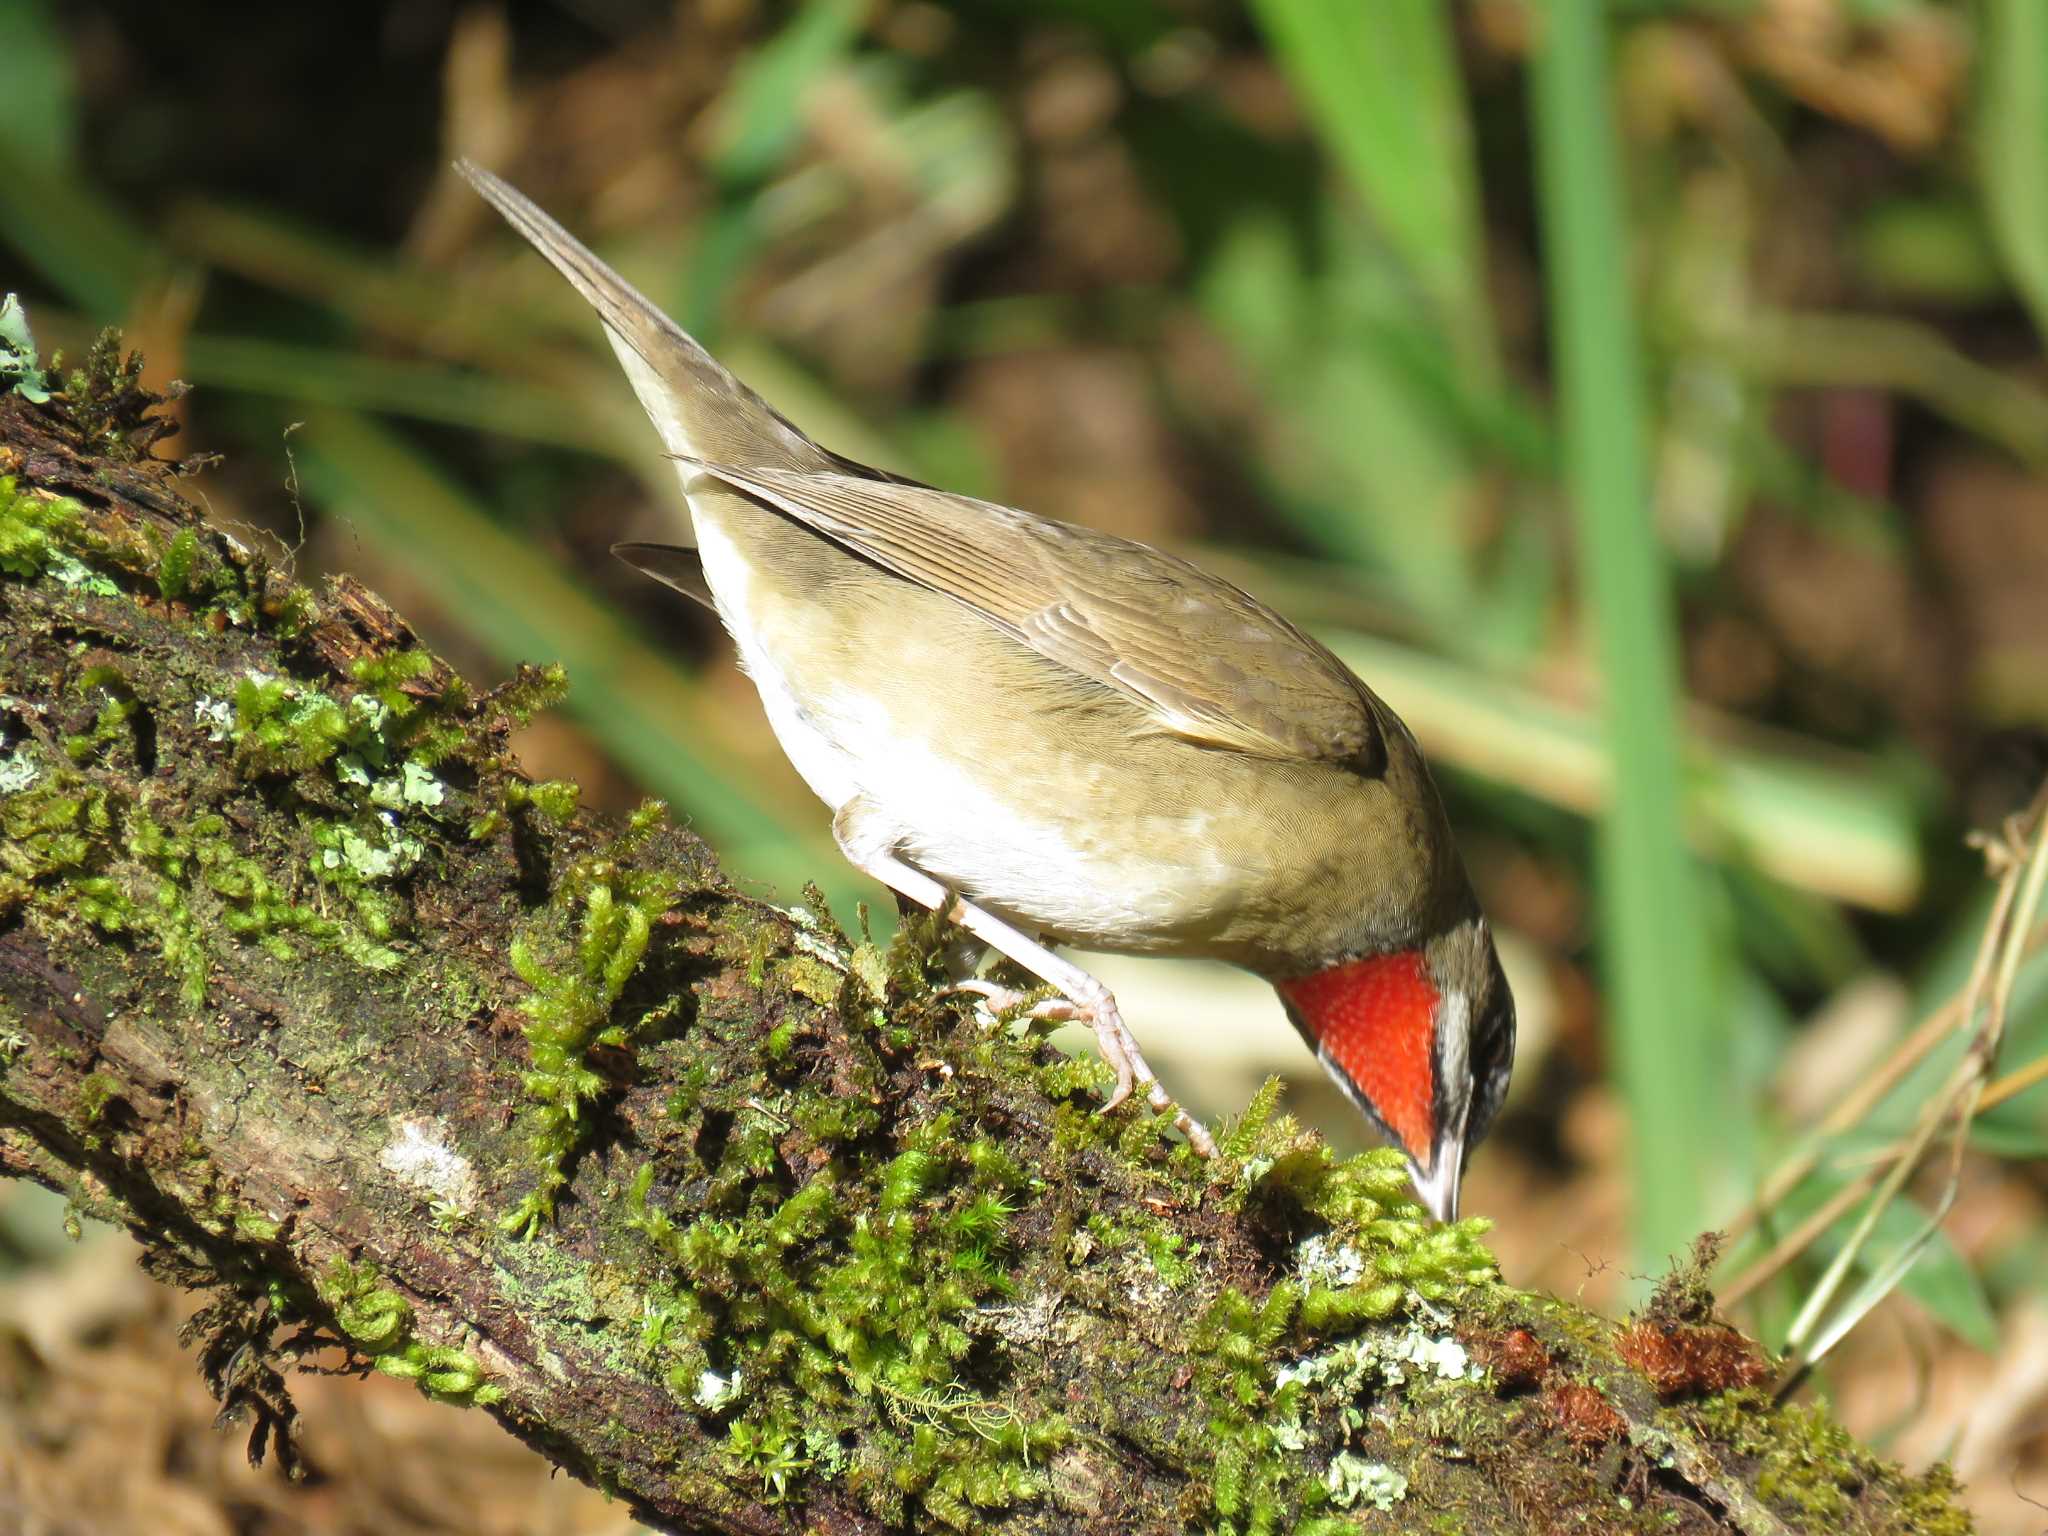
(419, 1156)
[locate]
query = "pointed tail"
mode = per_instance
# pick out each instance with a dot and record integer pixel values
(698, 407)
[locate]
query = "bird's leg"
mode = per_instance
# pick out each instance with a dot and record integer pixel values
(962, 953)
(1085, 997)
(1115, 1041)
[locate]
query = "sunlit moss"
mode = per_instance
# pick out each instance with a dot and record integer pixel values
(378, 1323)
(32, 529)
(569, 1011)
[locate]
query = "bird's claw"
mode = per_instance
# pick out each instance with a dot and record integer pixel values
(1113, 1038)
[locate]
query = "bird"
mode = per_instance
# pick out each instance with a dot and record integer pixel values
(1056, 736)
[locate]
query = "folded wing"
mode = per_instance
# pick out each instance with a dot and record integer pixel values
(1210, 662)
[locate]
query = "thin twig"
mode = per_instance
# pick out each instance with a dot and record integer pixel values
(2020, 860)
(1870, 1168)
(1872, 1091)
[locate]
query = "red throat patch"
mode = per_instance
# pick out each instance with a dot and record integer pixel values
(1373, 1019)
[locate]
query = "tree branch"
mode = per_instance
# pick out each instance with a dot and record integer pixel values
(728, 1214)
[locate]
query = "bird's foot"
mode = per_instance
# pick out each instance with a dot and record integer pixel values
(1113, 1037)
(1001, 999)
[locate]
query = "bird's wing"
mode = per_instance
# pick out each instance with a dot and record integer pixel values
(1210, 662)
(673, 565)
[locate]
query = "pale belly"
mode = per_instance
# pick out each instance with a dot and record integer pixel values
(948, 770)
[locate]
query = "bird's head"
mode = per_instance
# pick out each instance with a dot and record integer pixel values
(1420, 1039)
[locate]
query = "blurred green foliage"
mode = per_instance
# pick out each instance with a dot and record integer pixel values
(1641, 395)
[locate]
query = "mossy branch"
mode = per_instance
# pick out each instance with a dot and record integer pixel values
(729, 1214)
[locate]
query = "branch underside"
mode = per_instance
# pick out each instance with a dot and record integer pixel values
(724, 1211)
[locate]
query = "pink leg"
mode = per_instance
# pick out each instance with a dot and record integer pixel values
(1085, 998)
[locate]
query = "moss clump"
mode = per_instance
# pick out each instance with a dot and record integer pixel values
(252, 906)
(94, 1094)
(1166, 1253)
(828, 1302)
(848, 1304)
(115, 721)
(553, 800)
(105, 399)
(514, 703)
(86, 854)
(175, 571)
(32, 532)
(283, 728)
(1813, 1469)
(1931, 1504)
(52, 829)
(378, 1323)
(357, 762)
(569, 1013)
(1269, 1368)
(379, 748)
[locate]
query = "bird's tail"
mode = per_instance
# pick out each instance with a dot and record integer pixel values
(701, 411)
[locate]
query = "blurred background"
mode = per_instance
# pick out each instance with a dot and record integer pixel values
(1649, 401)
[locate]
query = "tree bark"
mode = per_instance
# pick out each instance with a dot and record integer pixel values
(727, 1213)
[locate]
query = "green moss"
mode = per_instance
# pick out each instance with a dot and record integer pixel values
(105, 398)
(515, 703)
(50, 830)
(175, 571)
(424, 723)
(32, 531)
(845, 1304)
(94, 1094)
(1931, 1504)
(527, 693)
(1807, 1465)
(569, 1012)
(255, 1227)
(82, 852)
(286, 728)
(377, 1322)
(379, 749)
(252, 906)
(112, 724)
(1167, 1253)
(1267, 1368)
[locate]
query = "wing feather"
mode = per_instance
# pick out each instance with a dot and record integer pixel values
(1211, 662)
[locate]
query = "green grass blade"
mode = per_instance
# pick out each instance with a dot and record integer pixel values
(761, 115)
(1381, 82)
(38, 91)
(1374, 471)
(2012, 142)
(425, 391)
(1836, 826)
(1669, 1049)
(82, 245)
(430, 310)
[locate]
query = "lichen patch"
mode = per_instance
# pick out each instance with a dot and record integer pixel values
(417, 1156)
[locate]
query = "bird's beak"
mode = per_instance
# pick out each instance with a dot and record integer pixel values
(1439, 1187)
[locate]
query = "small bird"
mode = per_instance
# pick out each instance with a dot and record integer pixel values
(1052, 734)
